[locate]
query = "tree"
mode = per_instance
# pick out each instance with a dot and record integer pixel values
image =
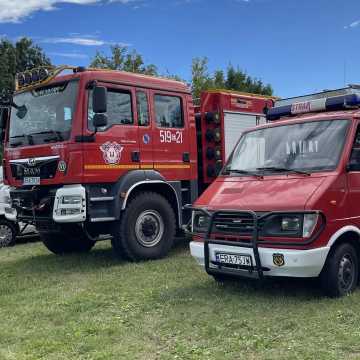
(18, 57)
(122, 59)
(234, 79)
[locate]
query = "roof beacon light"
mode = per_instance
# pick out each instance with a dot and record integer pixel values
(333, 103)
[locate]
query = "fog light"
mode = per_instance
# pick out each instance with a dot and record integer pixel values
(71, 200)
(35, 76)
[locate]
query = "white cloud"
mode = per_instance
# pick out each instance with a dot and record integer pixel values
(69, 55)
(85, 41)
(16, 10)
(352, 25)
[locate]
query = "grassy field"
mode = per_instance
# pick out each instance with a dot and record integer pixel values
(96, 307)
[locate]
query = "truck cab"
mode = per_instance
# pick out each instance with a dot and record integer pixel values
(92, 153)
(285, 204)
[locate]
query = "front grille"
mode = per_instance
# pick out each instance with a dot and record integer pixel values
(45, 168)
(233, 223)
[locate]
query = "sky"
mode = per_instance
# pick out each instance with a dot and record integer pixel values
(297, 46)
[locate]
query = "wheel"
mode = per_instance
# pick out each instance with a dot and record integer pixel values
(340, 274)
(8, 233)
(71, 239)
(146, 229)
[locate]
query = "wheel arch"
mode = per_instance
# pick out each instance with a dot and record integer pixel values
(347, 234)
(140, 181)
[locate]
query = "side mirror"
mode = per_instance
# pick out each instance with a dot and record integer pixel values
(100, 120)
(100, 100)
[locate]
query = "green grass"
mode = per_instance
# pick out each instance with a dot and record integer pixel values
(96, 307)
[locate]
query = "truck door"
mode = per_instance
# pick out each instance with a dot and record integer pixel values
(145, 128)
(116, 149)
(171, 136)
(354, 180)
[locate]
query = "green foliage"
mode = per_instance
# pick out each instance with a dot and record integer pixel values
(123, 59)
(234, 79)
(17, 57)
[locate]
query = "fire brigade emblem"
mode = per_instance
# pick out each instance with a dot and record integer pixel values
(111, 152)
(278, 259)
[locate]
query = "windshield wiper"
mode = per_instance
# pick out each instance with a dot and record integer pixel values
(58, 134)
(25, 136)
(244, 172)
(282, 169)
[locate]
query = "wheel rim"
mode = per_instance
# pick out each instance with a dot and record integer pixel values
(6, 235)
(149, 228)
(346, 273)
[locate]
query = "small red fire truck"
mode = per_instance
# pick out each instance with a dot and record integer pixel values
(93, 153)
(287, 201)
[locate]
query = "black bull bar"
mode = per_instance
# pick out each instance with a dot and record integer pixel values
(256, 270)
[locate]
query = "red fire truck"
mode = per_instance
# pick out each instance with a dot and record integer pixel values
(287, 201)
(91, 153)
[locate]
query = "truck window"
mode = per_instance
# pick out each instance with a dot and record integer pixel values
(142, 105)
(168, 111)
(119, 109)
(355, 152)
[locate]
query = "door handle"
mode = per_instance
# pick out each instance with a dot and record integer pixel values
(186, 157)
(135, 156)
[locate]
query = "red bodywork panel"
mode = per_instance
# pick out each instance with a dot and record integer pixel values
(221, 101)
(336, 194)
(86, 162)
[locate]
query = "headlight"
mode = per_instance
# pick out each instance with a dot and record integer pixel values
(71, 200)
(310, 221)
(290, 224)
(200, 222)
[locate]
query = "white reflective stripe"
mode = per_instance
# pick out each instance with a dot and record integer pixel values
(342, 231)
(45, 158)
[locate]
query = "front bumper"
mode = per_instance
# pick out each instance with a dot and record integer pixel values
(297, 263)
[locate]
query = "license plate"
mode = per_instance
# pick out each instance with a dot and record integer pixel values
(233, 259)
(31, 180)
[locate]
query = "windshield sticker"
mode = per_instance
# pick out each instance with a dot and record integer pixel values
(111, 152)
(302, 147)
(49, 91)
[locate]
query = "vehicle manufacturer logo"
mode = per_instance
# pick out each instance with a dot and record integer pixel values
(62, 166)
(31, 171)
(146, 139)
(111, 152)
(31, 162)
(278, 259)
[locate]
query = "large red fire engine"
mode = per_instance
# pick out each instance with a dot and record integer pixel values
(287, 201)
(92, 153)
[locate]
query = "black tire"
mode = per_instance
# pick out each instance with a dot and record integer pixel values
(340, 273)
(146, 230)
(8, 232)
(71, 239)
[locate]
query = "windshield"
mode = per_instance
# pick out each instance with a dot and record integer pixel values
(310, 146)
(45, 114)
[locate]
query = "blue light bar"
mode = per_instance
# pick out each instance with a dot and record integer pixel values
(333, 103)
